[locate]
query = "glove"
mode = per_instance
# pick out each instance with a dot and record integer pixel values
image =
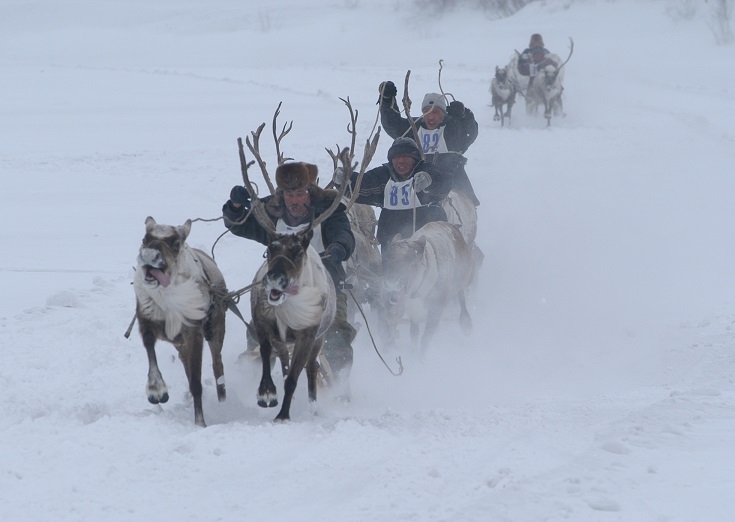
(336, 253)
(332, 260)
(388, 89)
(421, 181)
(240, 197)
(339, 176)
(456, 109)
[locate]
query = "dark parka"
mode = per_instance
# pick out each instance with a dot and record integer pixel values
(391, 221)
(460, 131)
(334, 229)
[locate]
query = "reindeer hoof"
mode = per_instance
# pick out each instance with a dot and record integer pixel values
(496, 118)
(267, 401)
(155, 399)
(221, 392)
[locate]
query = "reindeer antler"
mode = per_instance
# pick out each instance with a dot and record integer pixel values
(255, 149)
(407, 107)
(352, 130)
(255, 146)
(257, 206)
(345, 157)
(441, 89)
(277, 139)
(571, 50)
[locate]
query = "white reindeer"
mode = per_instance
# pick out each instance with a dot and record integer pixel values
(548, 85)
(503, 93)
(546, 91)
(422, 273)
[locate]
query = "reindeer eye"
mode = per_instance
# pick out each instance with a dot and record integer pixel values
(177, 244)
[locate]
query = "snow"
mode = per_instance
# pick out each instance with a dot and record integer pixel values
(598, 382)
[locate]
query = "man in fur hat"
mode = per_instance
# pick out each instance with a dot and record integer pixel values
(444, 133)
(403, 186)
(297, 195)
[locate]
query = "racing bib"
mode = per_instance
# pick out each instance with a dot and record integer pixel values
(399, 195)
(432, 141)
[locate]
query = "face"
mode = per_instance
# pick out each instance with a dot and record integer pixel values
(433, 118)
(297, 202)
(403, 165)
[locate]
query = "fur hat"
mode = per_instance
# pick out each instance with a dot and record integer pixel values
(404, 147)
(296, 175)
(536, 41)
(432, 100)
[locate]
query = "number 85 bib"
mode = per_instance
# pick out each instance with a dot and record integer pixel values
(399, 195)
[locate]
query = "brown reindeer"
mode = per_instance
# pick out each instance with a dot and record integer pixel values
(295, 300)
(180, 298)
(422, 273)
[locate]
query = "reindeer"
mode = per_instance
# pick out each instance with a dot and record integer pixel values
(503, 93)
(547, 86)
(295, 299)
(546, 90)
(180, 298)
(423, 272)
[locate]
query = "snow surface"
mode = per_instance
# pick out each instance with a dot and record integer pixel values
(598, 382)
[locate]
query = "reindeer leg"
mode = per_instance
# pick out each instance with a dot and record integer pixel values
(312, 368)
(510, 108)
(216, 340)
(281, 349)
(267, 396)
(433, 317)
(156, 387)
(190, 353)
(465, 321)
(497, 115)
(415, 330)
(301, 354)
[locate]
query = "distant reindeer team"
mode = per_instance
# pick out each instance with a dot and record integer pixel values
(537, 75)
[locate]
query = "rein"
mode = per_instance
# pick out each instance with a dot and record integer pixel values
(372, 340)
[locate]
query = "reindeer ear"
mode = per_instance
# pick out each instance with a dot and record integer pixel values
(184, 229)
(396, 238)
(420, 246)
(149, 223)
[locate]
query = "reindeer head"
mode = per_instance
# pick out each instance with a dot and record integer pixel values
(550, 72)
(160, 250)
(501, 74)
(286, 256)
(401, 263)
